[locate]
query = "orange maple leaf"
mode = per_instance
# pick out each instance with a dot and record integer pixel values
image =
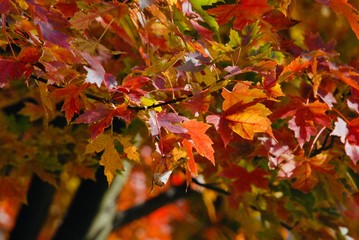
(191, 163)
(307, 169)
(295, 66)
(241, 93)
(200, 140)
(246, 12)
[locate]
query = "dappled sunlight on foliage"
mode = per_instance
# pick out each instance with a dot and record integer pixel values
(179, 119)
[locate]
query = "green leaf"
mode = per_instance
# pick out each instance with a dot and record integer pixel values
(234, 39)
(211, 21)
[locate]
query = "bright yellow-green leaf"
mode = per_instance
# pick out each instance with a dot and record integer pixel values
(234, 39)
(149, 102)
(206, 76)
(162, 65)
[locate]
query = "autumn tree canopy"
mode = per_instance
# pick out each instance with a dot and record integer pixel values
(252, 104)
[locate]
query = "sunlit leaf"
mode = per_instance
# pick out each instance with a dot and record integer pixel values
(201, 142)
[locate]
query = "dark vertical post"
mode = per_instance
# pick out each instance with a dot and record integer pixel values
(83, 208)
(32, 216)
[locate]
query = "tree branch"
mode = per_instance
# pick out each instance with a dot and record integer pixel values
(135, 108)
(171, 195)
(211, 187)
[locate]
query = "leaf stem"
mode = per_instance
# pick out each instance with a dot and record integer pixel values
(341, 115)
(315, 140)
(104, 32)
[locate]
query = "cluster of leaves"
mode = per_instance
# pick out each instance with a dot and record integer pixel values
(219, 90)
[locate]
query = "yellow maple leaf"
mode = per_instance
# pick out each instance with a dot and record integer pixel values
(250, 121)
(129, 149)
(110, 158)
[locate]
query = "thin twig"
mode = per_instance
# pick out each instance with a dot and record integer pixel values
(211, 187)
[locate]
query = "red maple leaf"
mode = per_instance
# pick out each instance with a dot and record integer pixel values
(222, 127)
(10, 69)
(278, 20)
(243, 180)
(131, 87)
(101, 117)
(305, 118)
(245, 12)
(71, 94)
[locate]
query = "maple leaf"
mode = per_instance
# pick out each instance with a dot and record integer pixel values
(10, 70)
(349, 135)
(29, 55)
(191, 162)
(82, 20)
(68, 9)
(242, 113)
(248, 121)
(278, 20)
(164, 164)
(52, 35)
(246, 12)
(305, 118)
(200, 140)
(243, 180)
(292, 68)
(95, 74)
(33, 111)
(315, 42)
(306, 171)
(348, 77)
(129, 148)
(131, 87)
(222, 127)
(280, 157)
(241, 93)
(71, 93)
(110, 158)
(199, 103)
(101, 117)
(271, 86)
(169, 121)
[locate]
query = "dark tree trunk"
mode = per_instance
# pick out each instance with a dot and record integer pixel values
(32, 216)
(83, 209)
